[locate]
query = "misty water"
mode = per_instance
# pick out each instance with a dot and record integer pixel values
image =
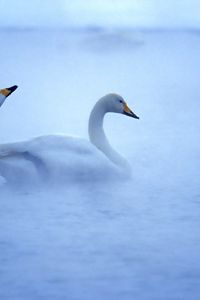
(117, 239)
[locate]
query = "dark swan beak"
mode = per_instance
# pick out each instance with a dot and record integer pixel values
(8, 91)
(129, 112)
(11, 90)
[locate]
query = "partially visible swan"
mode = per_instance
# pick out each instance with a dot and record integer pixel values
(77, 158)
(4, 93)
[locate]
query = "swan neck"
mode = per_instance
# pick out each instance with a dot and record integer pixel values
(95, 129)
(97, 135)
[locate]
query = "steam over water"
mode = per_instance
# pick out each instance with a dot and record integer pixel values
(116, 239)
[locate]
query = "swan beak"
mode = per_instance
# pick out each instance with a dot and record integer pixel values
(129, 112)
(8, 91)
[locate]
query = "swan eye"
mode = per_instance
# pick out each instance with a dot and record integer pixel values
(120, 101)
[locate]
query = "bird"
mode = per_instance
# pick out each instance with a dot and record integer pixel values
(4, 93)
(76, 158)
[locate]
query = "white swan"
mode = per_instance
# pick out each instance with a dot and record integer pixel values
(76, 157)
(4, 93)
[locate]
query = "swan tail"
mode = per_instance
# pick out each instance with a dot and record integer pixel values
(7, 150)
(22, 167)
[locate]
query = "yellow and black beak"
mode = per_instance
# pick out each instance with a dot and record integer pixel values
(8, 91)
(129, 112)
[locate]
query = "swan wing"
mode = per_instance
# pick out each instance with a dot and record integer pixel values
(54, 156)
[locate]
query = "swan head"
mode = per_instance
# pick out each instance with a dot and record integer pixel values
(115, 103)
(8, 91)
(4, 93)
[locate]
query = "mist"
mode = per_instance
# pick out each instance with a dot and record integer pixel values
(102, 237)
(104, 13)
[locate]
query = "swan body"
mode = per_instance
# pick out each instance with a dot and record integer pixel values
(69, 157)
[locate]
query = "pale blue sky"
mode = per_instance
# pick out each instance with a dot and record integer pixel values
(161, 13)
